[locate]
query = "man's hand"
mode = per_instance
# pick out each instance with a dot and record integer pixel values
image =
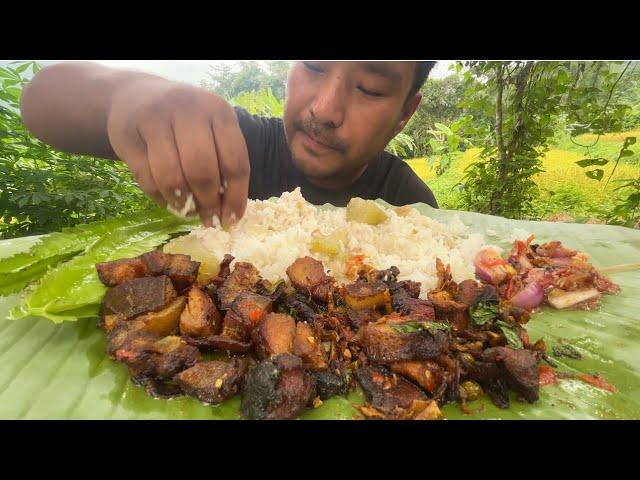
(182, 143)
(179, 141)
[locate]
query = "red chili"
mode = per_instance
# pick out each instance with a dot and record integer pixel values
(547, 375)
(597, 381)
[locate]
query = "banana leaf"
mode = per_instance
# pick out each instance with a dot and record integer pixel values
(61, 371)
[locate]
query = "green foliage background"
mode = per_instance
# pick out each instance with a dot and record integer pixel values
(567, 106)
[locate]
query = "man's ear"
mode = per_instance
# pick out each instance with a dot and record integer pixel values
(408, 110)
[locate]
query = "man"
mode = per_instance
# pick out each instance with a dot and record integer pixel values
(190, 150)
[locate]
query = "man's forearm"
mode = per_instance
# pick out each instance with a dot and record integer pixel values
(67, 105)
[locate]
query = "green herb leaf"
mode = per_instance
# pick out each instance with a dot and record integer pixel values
(483, 312)
(412, 327)
(512, 337)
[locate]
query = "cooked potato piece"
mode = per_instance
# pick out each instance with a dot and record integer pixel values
(215, 381)
(274, 335)
(308, 347)
(118, 271)
(307, 275)
(179, 268)
(200, 317)
(364, 295)
(329, 244)
(140, 295)
(165, 321)
(365, 211)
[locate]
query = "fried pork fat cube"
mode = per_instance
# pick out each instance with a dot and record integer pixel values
(428, 374)
(274, 335)
(139, 295)
(244, 277)
(246, 312)
(179, 268)
(214, 381)
(277, 388)
(118, 271)
(392, 397)
(308, 346)
(307, 275)
(200, 316)
(147, 354)
(384, 341)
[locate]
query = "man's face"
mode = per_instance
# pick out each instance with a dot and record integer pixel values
(339, 115)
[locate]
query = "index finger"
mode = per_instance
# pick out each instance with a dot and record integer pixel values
(233, 160)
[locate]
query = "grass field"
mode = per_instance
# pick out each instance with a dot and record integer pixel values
(566, 193)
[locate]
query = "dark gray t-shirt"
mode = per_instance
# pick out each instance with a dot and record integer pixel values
(273, 172)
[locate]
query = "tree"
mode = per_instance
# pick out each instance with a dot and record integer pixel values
(440, 99)
(249, 76)
(525, 101)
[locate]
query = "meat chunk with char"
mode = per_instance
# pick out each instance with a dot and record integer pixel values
(179, 268)
(243, 278)
(139, 295)
(389, 395)
(307, 275)
(274, 335)
(277, 388)
(307, 345)
(214, 381)
(384, 342)
(118, 271)
(200, 317)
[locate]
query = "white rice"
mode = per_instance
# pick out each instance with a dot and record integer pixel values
(273, 233)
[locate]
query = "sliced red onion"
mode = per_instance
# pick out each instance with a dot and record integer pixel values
(529, 297)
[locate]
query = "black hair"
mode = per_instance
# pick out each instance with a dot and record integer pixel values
(420, 76)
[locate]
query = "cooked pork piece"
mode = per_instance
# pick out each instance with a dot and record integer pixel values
(277, 388)
(389, 394)
(308, 346)
(307, 275)
(117, 271)
(140, 295)
(384, 342)
(244, 277)
(214, 381)
(200, 318)
(179, 268)
(274, 335)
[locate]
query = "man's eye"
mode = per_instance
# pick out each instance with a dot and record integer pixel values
(311, 67)
(369, 92)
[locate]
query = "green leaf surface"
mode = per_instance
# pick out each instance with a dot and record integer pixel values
(61, 371)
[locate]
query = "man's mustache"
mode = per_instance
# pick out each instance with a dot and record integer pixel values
(321, 133)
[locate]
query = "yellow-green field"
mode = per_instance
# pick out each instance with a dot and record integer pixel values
(565, 191)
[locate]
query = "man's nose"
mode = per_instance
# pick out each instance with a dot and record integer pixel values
(330, 102)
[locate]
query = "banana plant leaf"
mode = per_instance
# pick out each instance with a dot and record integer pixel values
(61, 371)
